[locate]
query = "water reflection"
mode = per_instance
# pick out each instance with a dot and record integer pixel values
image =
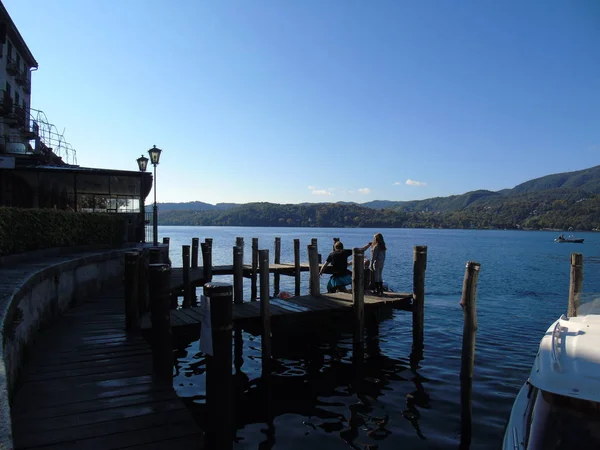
(322, 390)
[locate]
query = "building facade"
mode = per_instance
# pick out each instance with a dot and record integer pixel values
(33, 174)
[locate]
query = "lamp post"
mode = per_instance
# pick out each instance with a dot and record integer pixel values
(142, 164)
(154, 158)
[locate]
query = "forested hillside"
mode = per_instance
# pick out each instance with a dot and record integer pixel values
(557, 201)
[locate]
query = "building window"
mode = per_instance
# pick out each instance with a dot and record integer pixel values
(18, 61)
(17, 99)
(8, 50)
(8, 89)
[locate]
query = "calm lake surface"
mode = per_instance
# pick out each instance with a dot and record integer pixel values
(523, 287)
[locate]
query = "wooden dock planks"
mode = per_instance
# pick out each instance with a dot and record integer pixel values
(197, 273)
(305, 305)
(88, 385)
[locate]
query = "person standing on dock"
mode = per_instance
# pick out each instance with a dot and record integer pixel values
(338, 259)
(378, 250)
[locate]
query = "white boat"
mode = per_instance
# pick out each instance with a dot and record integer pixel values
(559, 405)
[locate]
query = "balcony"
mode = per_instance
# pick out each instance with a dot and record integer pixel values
(22, 79)
(6, 104)
(32, 131)
(12, 67)
(20, 116)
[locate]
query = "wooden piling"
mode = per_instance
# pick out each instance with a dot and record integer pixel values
(206, 262)
(143, 294)
(195, 249)
(358, 293)
(313, 265)
(265, 309)
(238, 275)
(277, 260)
(162, 347)
(219, 393)
(576, 284)
(155, 255)
(187, 287)
(209, 258)
(254, 274)
(468, 302)
(132, 301)
(239, 242)
(297, 267)
(418, 305)
(313, 241)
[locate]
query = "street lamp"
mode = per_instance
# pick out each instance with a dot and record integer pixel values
(142, 164)
(154, 158)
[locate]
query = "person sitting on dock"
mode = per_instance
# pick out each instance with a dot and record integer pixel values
(341, 276)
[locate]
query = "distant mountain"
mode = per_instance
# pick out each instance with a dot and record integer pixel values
(558, 201)
(587, 180)
(195, 206)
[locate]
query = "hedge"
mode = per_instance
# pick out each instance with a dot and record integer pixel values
(23, 230)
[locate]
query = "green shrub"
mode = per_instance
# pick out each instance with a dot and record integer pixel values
(23, 230)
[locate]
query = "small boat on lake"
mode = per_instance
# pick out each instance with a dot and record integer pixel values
(559, 405)
(569, 239)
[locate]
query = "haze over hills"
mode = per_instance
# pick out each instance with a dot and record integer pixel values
(570, 199)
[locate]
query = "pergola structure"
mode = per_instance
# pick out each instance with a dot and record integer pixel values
(81, 189)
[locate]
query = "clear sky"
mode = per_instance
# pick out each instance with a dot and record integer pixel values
(321, 100)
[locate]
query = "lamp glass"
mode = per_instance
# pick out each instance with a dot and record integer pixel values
(142, 163)
(154, 155)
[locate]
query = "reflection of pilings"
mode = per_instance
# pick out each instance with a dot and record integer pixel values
(416, 398)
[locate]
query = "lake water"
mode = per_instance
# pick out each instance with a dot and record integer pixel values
(523, 287)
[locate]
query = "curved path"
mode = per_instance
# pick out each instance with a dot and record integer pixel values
(88, 385)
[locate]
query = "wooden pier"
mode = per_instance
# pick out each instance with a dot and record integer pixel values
(302, 307)
(89, 385)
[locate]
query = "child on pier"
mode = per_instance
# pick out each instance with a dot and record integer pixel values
(378, 250)
(338, 259)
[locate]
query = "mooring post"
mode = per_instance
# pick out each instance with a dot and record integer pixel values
(187, 288)
(468, 302)
(132, 301)
(206, 262)
(167, 242)
(143, 294)
(239, 242)
(254, 273)
(265, 309)
(297, 266)
(358, 293)
(576, 284)
(209, 261)
(155, 255)
(219, 393)
(277, 260)
(195, 249)
(313, 265)
(313, 241)
(238, 275)
(160, 315)
(418, 305)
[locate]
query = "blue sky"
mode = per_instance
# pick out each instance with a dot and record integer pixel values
(321, 100)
